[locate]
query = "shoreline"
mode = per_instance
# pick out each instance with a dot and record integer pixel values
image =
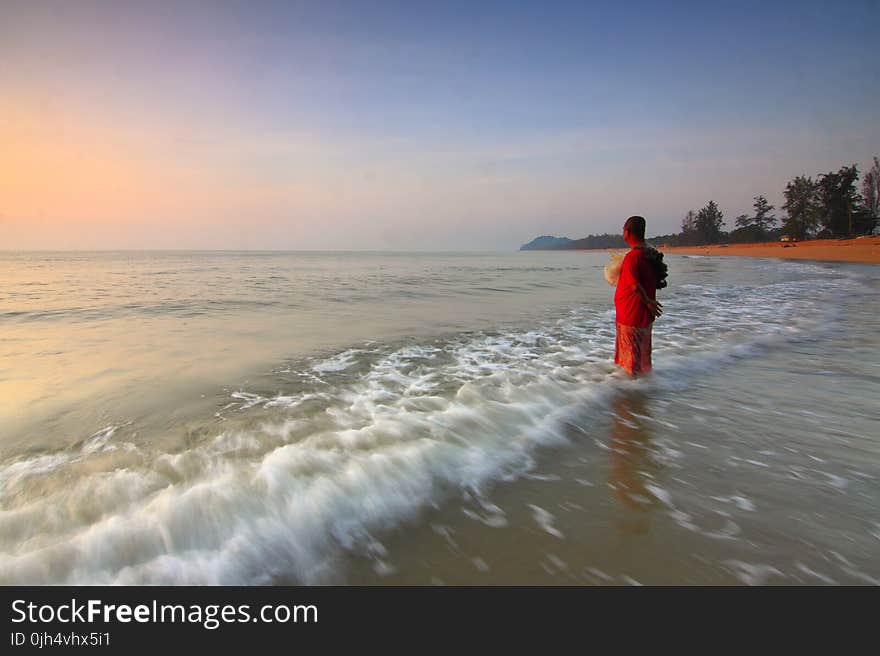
(863, 250)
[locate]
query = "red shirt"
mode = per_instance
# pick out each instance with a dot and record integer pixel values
(636, 268)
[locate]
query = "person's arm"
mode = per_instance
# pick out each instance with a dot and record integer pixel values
(654, 307)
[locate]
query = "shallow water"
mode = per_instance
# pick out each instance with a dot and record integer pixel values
(433, 418)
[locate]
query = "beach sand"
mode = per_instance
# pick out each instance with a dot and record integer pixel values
(864, 249)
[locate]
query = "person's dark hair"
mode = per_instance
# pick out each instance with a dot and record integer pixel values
(635, 225)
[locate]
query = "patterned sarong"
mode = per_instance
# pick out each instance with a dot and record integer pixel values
(632, 349)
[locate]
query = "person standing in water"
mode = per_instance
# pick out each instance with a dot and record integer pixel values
(642, 273)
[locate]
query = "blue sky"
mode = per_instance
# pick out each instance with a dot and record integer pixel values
(417, 125)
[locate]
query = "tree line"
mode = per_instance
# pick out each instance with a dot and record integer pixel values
(831, 206)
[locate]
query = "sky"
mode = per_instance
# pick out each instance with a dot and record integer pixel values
(415, 125)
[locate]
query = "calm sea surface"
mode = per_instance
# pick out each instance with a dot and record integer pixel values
(448, 418)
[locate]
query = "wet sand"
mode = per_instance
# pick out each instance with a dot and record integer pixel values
(865, 250)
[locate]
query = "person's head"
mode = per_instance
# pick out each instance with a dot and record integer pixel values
(634, 230)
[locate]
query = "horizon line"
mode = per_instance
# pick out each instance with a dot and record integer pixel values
(246, 250)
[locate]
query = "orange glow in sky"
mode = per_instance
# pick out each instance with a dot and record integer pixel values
(304, 126)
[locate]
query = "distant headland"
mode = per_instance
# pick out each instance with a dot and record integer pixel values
(550, 243)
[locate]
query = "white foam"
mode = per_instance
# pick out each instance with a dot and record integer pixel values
(661, 494)
(806, 570)
(339, 362)
(545, 520)
(752, 573)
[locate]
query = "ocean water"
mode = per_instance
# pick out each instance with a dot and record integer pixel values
(443, 418)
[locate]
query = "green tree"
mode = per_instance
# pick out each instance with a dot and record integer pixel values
(839, 199)
(708, 224)
(802, 206)
(871, 191)
(688, 228)
(764, 220)
(745, 230)
(744, 221)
